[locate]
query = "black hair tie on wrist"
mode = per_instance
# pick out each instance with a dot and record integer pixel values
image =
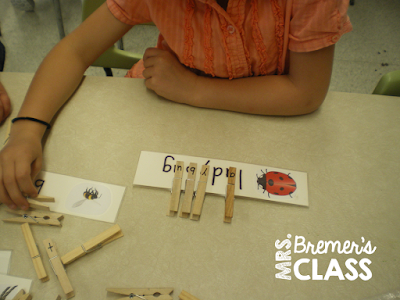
(32, 119)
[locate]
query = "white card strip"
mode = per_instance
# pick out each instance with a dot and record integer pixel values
(8, 282)
(5, 259)
(252, 181)
(81, 197)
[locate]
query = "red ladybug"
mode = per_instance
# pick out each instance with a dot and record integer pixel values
(277, 183)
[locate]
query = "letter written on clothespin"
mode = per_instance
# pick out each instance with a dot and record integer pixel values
(58, 268)
(230, 195)
(22, 296)
(143, 293)
(95, 243)
(186, 296)
(34, 252)
(176, 189)
(189, 191)
(200, 193)
(35, 217)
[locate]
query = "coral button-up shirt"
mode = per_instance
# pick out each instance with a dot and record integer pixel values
(250, 38)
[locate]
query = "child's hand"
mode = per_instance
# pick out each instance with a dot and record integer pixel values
(5, 105)
(166, 76)
(20, 162)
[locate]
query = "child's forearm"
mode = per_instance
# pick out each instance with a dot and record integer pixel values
(300, 92)
(56, 79)
(266, 95)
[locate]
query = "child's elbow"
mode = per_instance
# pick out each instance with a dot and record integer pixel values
(311, 102)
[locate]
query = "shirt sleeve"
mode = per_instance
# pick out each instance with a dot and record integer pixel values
(316, 24)
(130, 12)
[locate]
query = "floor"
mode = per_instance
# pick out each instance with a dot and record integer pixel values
(362, 56)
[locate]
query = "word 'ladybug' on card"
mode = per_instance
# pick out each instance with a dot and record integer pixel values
(277, 183)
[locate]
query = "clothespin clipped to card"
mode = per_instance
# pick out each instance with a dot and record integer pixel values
(95, 243)
(22, 296)
(58, 268)
(35, 217)
(186, 296)
(200, 193)
(230, 195)
(176, 189)
(145, 293)
(36, 202)
(189, 191)
(34, 252)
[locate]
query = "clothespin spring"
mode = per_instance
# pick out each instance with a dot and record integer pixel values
(195, 192)
(100, 245)
(173, 182)
(51, 264)
(26, 216)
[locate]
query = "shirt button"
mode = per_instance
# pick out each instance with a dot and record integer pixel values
(335, 38)
(230, 29)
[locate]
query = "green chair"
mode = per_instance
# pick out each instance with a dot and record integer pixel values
(113, 57)
(389, 84)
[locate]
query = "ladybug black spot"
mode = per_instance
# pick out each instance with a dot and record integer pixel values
(281, 188)
(276, 194)
(270, 182)
(280, 178)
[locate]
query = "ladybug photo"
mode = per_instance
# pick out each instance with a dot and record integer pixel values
(276, 183)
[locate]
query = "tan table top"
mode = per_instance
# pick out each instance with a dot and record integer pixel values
(349, 149)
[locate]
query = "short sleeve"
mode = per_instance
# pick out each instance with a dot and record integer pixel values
(316, 24)
(130, 12)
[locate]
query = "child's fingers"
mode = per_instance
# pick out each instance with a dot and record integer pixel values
(150, 52)
(23, 176)
(4, 197)
(2, 112)
(6, 104)
(12, 187)
(36, 168)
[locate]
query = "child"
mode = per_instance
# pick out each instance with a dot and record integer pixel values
(214, 54)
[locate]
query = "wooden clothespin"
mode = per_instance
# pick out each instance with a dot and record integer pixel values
(230, 195)
(36, 202)
(186, 296)
(22, 296)
(35, 217)
(95, 243)
(176, 189)
(58, 268)
(37, 205)
(145, 293)
(200, 193)
(42, 198)
(34, 252)
(189, 191)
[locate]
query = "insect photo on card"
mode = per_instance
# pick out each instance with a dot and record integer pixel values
(89, 194)
(276, 183)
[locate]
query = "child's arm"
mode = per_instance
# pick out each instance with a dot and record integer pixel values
(56, 79)
(302, 91)
(5, 105)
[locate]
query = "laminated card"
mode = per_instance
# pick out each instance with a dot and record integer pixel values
(81, 197)
(252, 181)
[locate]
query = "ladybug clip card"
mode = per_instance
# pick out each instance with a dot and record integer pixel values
(252, 181)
